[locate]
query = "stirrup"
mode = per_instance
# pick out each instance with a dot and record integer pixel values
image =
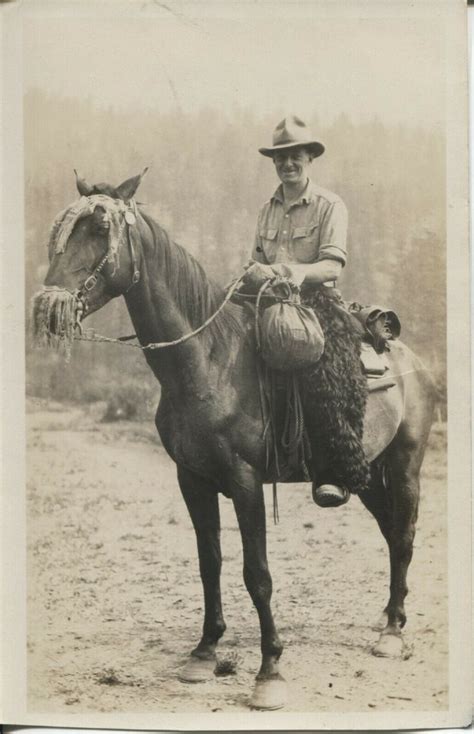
(330, 495)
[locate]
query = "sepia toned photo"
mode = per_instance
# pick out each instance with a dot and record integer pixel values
(244, 365)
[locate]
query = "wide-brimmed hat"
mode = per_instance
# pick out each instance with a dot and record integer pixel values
(293, 133)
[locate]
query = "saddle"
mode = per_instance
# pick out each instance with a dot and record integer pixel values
(288, 450)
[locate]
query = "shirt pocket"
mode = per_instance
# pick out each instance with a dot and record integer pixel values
(268, 239)
(306, 243)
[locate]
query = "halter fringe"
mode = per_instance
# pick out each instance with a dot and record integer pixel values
(54, 319)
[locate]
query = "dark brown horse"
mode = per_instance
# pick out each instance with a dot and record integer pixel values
(209, 418)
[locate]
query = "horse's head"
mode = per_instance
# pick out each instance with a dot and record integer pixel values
(94, 257)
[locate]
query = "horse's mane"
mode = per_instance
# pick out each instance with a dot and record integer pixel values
(197, 296)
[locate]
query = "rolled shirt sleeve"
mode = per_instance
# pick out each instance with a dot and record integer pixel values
(258, 253)
(333, 233)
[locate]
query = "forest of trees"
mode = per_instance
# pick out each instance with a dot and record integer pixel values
(205, 186)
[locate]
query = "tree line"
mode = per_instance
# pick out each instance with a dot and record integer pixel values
(205, 186)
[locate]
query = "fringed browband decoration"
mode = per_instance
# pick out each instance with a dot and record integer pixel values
(54, 309)
(65, 222)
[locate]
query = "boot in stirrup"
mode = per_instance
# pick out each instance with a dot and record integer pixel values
(330, 495)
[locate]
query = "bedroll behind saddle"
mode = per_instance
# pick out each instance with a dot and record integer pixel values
(379, 324)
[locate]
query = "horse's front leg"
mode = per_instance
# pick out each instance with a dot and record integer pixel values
(247, 496)
(202, 503)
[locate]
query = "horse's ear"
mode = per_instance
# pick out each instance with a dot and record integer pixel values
(83, 187)
(127, 189)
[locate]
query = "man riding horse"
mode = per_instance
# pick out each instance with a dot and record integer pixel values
(301, 234)
(209, 417)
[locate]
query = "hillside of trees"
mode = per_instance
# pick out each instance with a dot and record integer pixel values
(205, 186)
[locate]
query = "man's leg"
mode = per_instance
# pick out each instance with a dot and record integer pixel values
(335, 400)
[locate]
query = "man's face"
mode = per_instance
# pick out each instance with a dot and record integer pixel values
(292, 165)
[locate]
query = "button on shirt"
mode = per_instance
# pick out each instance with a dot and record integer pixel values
(312, 229)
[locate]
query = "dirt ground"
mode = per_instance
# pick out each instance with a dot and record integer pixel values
(114, 596)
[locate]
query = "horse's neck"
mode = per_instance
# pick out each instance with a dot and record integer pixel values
(158, 315)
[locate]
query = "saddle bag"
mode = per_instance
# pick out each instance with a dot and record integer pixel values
(289, 335)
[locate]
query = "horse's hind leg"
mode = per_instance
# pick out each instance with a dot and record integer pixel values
(202, 503)
(395, 507)
(247, 496)
(404, 487)
(377, 500)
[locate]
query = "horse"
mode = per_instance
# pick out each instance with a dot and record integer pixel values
(209, 419)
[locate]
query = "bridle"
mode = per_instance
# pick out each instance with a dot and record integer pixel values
(129, 220)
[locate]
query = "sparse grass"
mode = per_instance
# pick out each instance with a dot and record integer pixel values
(109, 678)
(122, 381)
(227, 665)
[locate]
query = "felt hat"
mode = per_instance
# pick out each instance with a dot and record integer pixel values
(293, 133)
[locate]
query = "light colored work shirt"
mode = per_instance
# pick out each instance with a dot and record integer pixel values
(312, 229)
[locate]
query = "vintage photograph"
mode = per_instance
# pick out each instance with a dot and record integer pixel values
(237, 295)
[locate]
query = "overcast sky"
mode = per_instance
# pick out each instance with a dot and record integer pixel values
(158, 57)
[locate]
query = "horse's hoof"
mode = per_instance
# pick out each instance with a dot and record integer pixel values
(390, 646)
(197, 670)
(269, 694)
(381, 623)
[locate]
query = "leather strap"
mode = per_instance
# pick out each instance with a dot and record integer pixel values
(133, 256)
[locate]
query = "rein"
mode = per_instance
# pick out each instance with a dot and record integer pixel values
(93, 336)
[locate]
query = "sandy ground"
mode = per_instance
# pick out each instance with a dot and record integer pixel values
(114, 597)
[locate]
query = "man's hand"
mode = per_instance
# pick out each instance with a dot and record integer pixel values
(290, 273)
(323, 271)
(256, 275)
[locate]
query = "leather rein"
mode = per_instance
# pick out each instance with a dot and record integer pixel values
(91, 335)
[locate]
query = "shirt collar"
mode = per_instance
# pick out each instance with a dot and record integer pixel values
(305, 197)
